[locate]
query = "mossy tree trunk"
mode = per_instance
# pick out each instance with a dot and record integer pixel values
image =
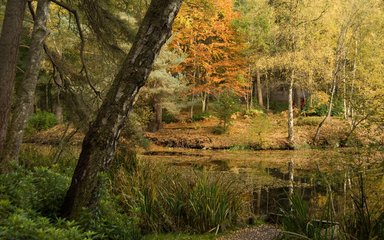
(26, 94)
(9, 49)
(101, 139)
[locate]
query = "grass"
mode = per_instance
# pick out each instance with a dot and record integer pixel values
(168, 199)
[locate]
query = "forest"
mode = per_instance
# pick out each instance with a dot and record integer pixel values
(192, 119)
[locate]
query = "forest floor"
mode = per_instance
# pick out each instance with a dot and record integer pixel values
(246, 133)
(264, 132)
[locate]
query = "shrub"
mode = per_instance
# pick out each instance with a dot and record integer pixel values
(41, 120)
(169, 117)
(218, 130)
(308, 121)
(225, 106)
(41, 189)
(24, 224)
(201, 116)
(28, 195)
(278, 106)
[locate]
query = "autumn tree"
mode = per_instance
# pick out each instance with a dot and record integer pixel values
(205, 33)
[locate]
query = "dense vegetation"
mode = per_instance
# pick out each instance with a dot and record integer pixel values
(236, 73)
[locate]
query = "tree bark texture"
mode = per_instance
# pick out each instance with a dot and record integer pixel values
(25, 97)
(9, 49)
(290, 110)
(259, 89)
(101, 139)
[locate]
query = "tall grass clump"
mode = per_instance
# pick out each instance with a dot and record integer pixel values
(365, 217)
(168, 201)
(299, 222)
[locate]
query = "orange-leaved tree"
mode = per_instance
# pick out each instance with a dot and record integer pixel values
(204, 31)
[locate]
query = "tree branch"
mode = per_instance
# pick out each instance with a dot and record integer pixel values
(82, 45)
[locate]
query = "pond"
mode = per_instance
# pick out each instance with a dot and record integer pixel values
(325, 179)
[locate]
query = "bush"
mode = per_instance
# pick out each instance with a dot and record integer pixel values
(41, 189)
(218, 130)
(278, 106)
(29, 204)
(41, 120)
(30, 201)
(169, 117)
(225, 106)
(22, 224)
(308, 121)
(201, 116)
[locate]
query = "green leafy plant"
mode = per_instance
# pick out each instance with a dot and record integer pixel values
(225, 106)
(41, 120)
(201, 116)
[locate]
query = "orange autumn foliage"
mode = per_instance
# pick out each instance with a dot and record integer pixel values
(204, 31)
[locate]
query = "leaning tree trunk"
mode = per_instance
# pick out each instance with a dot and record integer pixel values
(101, 139)
(25, 97)
(290, 111)
(9, 49)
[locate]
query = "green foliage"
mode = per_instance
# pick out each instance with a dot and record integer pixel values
(201, 116)
(24, 224)
(41, 120)
(227, 103)
(308, 121)
(164, 200)
(297, 222)
(135, 128)
(41, 189)
(365, 220)
(218, 130)
(29, 202)
(278, 106)
(169, 117)
(261, 127)
(108, 219)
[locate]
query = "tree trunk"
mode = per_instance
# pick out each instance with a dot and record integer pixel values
(59, 109)
(345, 108)
(339, 54)
(25, 97)
(204, 102)
(156, 123)
(330, 104)
(101, 139)
(9, 49)
(250, 89)
(259, 89)
(192, 106)
(290, 111)
(298, 97)
(268, 91)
